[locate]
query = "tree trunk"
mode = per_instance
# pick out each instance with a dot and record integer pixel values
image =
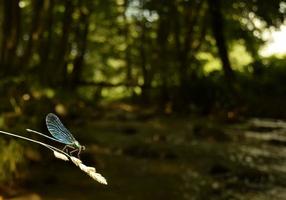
(46, 42)
(81, 35)
(127, 41)
(146, 84)
(10, 34)
(145, 71)
(35, 32)
(64, 50)
(218, 31)
(181, 57)
(163, 32)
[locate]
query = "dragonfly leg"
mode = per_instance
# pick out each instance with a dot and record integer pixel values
(78, 153)
(65, 149)
(76, 150)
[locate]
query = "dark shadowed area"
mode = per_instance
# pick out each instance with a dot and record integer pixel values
(179, 99)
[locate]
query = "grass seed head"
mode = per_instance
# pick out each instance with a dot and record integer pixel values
(60, 156)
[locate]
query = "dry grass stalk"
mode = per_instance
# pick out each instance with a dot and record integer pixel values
(98, 177)
(75, 160)
(91, 171)
(61, 156)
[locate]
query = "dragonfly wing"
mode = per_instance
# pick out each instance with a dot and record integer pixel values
(58, 130)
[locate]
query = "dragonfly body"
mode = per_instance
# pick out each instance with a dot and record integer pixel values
(62, 134)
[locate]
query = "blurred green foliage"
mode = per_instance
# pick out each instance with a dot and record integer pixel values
(12, 158)
(147, 51)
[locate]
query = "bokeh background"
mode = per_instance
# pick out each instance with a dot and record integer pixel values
(174, 99)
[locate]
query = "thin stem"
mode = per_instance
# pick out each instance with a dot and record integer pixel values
(35, 141)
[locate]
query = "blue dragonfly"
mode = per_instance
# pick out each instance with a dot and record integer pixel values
(61, 134)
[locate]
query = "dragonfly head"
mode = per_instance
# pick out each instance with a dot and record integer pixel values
(77, 144)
